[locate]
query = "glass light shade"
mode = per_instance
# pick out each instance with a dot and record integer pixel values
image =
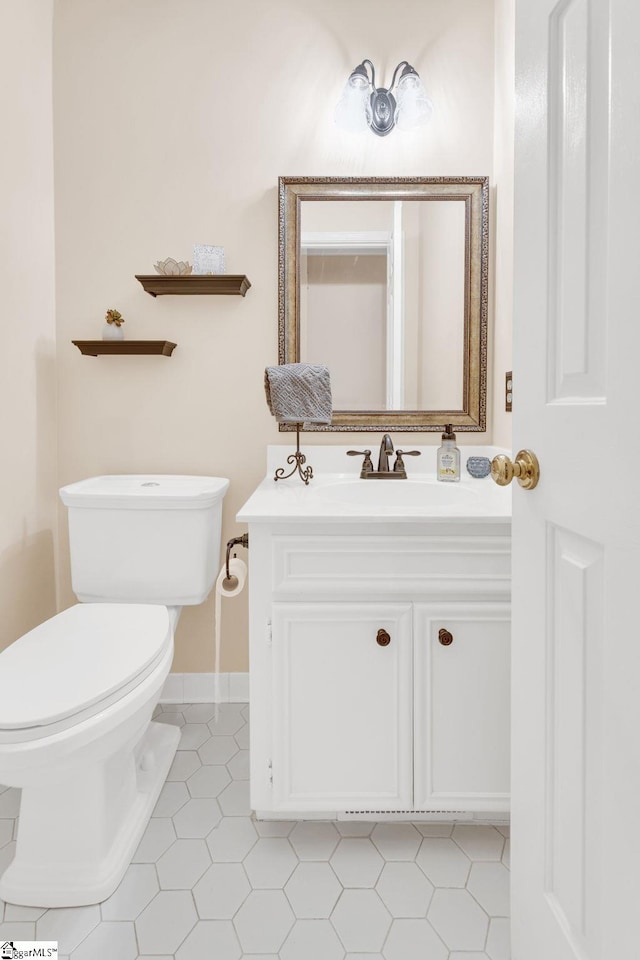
(414, 107)
(353, 110)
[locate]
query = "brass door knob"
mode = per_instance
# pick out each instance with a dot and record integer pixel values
(445, 637)
(525, 468)
(383, 638)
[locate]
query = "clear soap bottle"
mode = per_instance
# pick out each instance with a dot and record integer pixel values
(448, 457)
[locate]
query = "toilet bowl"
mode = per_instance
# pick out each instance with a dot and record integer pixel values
(79, 690)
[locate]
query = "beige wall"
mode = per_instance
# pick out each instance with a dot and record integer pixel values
(173, 123)
(27, 364)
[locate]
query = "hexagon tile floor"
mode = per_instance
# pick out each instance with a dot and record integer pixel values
(209, 883)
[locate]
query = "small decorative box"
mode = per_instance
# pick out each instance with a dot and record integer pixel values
(207, 259)
(479, 467)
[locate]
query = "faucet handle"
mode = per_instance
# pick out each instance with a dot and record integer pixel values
(398, 466)
(367, 465)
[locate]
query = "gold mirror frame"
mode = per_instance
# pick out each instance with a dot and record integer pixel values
(474, 191)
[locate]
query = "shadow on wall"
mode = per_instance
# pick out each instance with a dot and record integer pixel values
(27, 585)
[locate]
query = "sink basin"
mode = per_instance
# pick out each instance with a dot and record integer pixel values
(397, 493)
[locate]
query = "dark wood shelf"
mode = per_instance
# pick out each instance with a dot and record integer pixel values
(224, 283)
(111, 348)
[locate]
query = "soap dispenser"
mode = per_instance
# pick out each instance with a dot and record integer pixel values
(448, 457)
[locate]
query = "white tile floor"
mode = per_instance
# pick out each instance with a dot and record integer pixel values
(209, 882)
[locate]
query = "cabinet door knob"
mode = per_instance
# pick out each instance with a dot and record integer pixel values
(383, 638)
(445, 638)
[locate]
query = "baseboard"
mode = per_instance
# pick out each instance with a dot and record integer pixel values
(206, 688)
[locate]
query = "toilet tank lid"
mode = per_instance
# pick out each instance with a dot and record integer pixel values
(78, 658)
(145, 492)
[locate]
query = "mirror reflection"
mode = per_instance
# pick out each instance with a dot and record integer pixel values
(382, 301)
(385, 282)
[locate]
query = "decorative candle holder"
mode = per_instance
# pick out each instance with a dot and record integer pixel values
(172, 268)
(479, 467)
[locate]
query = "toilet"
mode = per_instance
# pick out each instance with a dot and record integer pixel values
(79, 690)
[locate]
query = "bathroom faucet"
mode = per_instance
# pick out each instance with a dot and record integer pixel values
(386, 450)
(383, 472)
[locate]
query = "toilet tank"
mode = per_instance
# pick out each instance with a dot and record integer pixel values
(144, 539)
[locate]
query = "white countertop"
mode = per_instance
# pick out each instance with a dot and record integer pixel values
(336, 494)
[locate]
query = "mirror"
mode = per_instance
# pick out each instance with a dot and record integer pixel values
(385, 282)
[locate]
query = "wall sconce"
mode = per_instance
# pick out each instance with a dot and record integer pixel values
(363, 105)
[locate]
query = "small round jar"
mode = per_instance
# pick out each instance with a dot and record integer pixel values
(479, 467)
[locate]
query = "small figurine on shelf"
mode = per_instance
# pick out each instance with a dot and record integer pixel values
(173, 268)
(113, 327)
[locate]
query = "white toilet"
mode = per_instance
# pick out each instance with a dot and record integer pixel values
(79, 690)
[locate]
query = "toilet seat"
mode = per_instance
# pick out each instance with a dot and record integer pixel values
(76, 664)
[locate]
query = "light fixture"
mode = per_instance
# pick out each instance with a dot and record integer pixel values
(363, 105)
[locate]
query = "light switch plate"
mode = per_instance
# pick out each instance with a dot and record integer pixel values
(508, 391)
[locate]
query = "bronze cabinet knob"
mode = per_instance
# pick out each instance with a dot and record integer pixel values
(445, 638)
(383, 638)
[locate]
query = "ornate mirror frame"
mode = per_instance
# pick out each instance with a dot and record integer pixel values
(474, 191)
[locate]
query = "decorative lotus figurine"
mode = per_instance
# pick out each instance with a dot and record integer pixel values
(173, 268)
(112, 330)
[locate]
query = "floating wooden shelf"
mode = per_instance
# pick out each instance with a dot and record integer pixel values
(93, 348)
(224, 283)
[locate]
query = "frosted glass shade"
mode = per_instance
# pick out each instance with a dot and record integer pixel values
(353, 110)
(414, 107)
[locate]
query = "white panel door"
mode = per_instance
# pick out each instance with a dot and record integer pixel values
(462, 691)
(342, 706)
(576, 537)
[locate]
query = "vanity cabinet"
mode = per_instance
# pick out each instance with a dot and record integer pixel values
(343, 721)
(462, 706)
(342, 705)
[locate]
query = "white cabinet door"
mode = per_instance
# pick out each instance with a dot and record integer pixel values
(462, 695)
(342, 706)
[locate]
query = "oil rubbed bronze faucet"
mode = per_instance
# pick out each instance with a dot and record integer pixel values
(383, 472)
(386, 450)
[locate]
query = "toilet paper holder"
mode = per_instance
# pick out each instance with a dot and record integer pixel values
(230, 581)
